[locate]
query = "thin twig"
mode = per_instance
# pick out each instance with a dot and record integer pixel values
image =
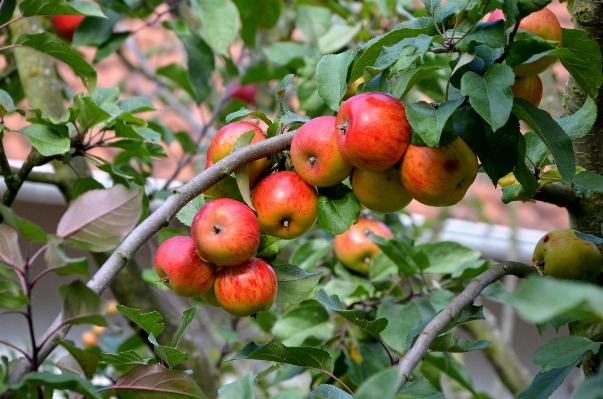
(16, 348)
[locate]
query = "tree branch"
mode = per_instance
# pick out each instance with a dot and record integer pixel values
(464, 299)
(558, 194)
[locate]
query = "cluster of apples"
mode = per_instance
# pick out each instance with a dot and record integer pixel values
(217, 261)
(545, 24)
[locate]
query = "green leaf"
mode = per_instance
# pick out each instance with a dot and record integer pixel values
(451, 367)
(136, 104)
(310, 319)
(50, 44)
(397, 253)
(579, 124)
(239, 389)
(544, 384)
(338, 209)
(420, 388)
(294, 284)
(188, 212)
(150, 322)
(551, 134)
(331, 77)
(53, 382)
(268, 248)
(338, 36)
(62, 264)
(266, 372)
(325, 391)
(179, 75)
(356, 317)
(313, 21)
(380, 385)
(491, 34)
(85, 360)
(586, 181)
(585, 66)
(409, 78)
(96, 30)
(11, 295)
(282, 53)
(156, 382)
(88, 112)
(200, 63)
(187, 317)
(563, 351)
(46, 140)
(429, 122)
(590, 237)
(275, 351)
(280, 93)
(447, 257)
(219, 23)
(30, 231)
(85, 184)
(447, 343)
(539, 300)
(401, 319)
(10, 252)
(123, 358)
(523, 174)
(81, 305)
(307, 255)
(246, 112)
(7, 105)
(59, 7)
(591, 387)
(491, 95)
(170, 356)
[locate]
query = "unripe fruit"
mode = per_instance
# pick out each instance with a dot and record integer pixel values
(89, 339)
(179, 265)
(354, 249)
(286, 205)
(380, 191)
(247, 288)
(315, 154)
(529, 88)
(226, 232)
(374, 131)
(98, 330)
(210, 298)
(562, 254)
(112, 308)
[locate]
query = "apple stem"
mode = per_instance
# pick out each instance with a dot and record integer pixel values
(344, 126)
(217, 229)
(285, 223)
(312, 160)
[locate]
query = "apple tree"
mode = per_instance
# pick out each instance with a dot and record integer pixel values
(384, 324)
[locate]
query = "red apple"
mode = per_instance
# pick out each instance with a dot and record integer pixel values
(439, 176)
(179, 265)
(226, 232)
(247, 288)
(315, 154)
(355, 250)
(226, 138)
(496, 15)
(286, 205)
(529, 88)
(247, 93)
(373, 131)
(65, 25)
(380, 191)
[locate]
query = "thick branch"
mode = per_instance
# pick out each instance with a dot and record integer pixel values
(162, 216)
(13, 185)
(446, 316)
(558, 194)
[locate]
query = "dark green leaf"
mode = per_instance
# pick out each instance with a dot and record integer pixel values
(53, 46)
(81, 305)
(329, 392)
(122, 358)
(188, 212)
(401, 319)
(523, 174)
(310, 319)
(46, 140)
(200, 64)
(447, 257)
(86, 360)
(563, 351)
(585, 67)
(591, 387)
(398, 254)
(586, 181)
(338, 209)
(420, 388)
(219, 23)
(96, 30)
(88, 112)
(294, 284)
(353, 316)
(429, 122)
(491, 95)
(150, 322)
(52, 381)
(11, 296)
(170, 356)
(268, 248)
(409, 78)
(491, 34)
(85, 184)
(178, 74)
(447, 343)
(380, 385)
(30, 231)
(59, 7)
(275, 351)
(578, 124)
(451, 367)
(331, 77)
(307, 255)
(187, 317)
(544, 384)
(245, 112)
(551, 134)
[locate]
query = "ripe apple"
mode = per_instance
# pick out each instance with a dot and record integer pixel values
(529, 88)
(380, 191)
(542, 23)
(89, 339)
(355, 250)
(226, 138)
(65, 25)
(226, 232)
(247, 93)
(373, 131)
(439, 176)
(178, 264)
(286, 205)
(564, 255)
(247, 288)
(315, 154)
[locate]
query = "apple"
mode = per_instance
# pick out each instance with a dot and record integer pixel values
(439, 176)
(247, 93)
(180, 267)
(542, 23)
(354, 249)
(564, 255)
(380, 191)
(246, 289)
(315, 154)
(226, 138)
(373, 130)
(286, 205)
(529, 88)
(89, 339)
(65, 25)
(210, 297)
(226, 232)
(98, 330)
